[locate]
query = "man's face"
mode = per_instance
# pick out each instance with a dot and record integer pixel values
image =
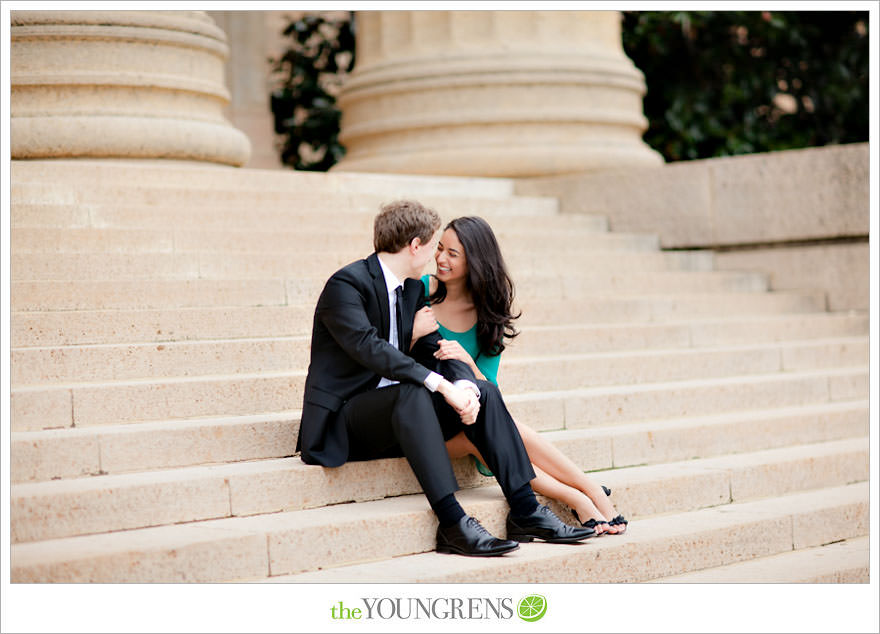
(424, 253)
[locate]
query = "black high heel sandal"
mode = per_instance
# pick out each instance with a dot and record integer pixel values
(620, 520)
(591, 523)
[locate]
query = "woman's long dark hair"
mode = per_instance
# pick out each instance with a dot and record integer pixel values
(487, 281)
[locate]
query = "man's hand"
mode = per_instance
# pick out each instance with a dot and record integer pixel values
(462, 400)
(424, 323)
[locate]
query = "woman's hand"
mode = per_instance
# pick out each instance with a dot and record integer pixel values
(453, 350)
(423, 323)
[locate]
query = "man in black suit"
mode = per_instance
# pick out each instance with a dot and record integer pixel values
(371, 392)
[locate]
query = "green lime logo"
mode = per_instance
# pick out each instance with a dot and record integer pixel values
(532, 608)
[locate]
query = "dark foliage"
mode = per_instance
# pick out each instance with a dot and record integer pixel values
(736, 82)
(304, 105)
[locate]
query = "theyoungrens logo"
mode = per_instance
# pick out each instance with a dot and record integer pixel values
(531, 608)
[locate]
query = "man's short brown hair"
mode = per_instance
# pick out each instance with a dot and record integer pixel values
(401, 221)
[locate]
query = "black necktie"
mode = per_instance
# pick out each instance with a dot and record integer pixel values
(398, 312)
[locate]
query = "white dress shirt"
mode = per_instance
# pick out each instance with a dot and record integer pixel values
(433, 379)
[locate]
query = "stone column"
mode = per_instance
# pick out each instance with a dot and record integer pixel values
(120, 84)
(492, 93)
(254, 37)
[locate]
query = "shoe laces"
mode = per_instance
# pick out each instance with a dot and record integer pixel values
(471, 521)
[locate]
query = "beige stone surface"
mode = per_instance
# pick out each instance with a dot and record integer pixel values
(813, 193)
(841, 271)
(130, 84)
(119, 362)
(156, 325)
(323, 197)
(107, 266)
(556, 87)
(85, 174)
(253, 37)
(653, 548)
(696, 539)
(101, 295)
(788, 469)
(179, 443)
(848, 386)
(52, 454)
(608, 405)
(626, 308)
(778, 328)
(798, 194)
(35, 408)
(623, 368)
(162, 325)
(132, 401)
(189, 553)
(701, 437)
(47, 510)
(185, 443)
(851, 351)
(841, 562)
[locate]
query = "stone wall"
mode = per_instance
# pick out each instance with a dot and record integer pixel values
(800, 215)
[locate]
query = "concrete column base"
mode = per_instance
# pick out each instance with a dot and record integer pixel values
(120, 84)
(492, 93)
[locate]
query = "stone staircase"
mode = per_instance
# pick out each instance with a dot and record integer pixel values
(159, 334)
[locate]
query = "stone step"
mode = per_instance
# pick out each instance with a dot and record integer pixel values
(652, 548)
(49, 329)
(538, 340)
(119, 502)
(87, 404)
(278, 546)
(598, 406)
(845, 561)
(195, 293)
(150, 266)
(318, 241)
(308, 210)
(84, 404)
(67, 453)
(249, 196)
(98, 173)
(42, 366)
(82, 400)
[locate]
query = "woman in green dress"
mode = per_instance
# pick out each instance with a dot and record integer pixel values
(470, 300)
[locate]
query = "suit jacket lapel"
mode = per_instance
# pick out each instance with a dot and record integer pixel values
(411, 287)
(381, 294)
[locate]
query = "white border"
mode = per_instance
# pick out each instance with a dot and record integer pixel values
(575, 607)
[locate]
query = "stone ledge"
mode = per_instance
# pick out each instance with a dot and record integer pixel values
(813, 193)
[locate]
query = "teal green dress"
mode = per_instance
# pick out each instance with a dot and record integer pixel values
(488, 364)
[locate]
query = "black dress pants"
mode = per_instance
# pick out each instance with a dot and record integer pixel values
(407, 420)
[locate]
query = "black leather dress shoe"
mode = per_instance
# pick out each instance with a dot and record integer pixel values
(544, 525)
(468, 537)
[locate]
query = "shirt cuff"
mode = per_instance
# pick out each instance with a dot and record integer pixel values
(466, 383)
(432, 381)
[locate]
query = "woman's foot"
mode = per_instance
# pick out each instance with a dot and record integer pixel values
(601, 526)
(618, 525)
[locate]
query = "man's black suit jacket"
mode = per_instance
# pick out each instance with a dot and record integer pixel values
(350, 353)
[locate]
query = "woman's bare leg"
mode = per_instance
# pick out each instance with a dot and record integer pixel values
(545, 455)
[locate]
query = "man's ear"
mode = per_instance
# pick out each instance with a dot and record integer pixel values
(414, 244)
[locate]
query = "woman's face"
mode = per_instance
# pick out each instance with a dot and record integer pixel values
(451, 260)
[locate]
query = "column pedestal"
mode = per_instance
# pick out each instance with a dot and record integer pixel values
(120, 84)
(492, 93)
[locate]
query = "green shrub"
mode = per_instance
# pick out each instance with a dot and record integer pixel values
(304, 107)
(736, 82)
